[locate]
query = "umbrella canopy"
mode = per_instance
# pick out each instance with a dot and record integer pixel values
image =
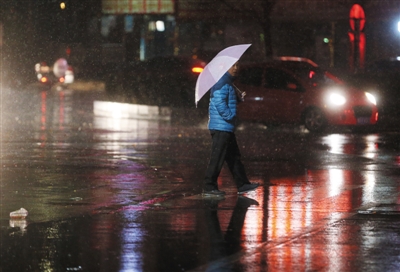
(217, 67)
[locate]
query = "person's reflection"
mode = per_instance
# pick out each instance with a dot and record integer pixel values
(225, 245)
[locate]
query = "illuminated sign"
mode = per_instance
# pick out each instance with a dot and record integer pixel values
(137, 6)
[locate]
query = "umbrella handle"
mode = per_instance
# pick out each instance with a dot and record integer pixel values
(239, 93)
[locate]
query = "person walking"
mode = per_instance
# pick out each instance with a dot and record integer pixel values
(222, 124)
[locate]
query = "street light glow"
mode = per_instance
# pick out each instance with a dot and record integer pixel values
(62, 5)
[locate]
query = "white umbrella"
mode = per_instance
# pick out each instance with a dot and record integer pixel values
(217, 67)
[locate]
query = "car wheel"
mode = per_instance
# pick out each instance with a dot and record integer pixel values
(314, 120)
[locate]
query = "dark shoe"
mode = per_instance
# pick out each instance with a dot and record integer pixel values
(247, 187)
(247, 202)
(214, 192)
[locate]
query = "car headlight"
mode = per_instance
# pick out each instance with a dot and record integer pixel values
(336, 99)
(371, 98)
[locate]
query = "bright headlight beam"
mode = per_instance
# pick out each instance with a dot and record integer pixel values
(371, 98)
(336, 99)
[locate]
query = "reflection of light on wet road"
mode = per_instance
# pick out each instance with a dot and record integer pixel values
(288, 209)
(133, 225)
(123, 122)
(254, 221)
(369, 188)
(335, 141)
(121, 136)
(61, 112)
(297, 205)
(346, 144)
(125, 129)
(335, 181)
(372, 146)
(132, 236)
(43, 110)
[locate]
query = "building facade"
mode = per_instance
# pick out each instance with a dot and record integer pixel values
(107, 31)
(316, 29)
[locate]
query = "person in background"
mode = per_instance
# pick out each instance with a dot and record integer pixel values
(222, 124)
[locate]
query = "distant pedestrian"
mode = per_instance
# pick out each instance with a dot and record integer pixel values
(222, 124)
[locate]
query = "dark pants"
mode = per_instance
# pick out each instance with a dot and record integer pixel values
(224, 148)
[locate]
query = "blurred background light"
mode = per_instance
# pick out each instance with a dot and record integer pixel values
(160, 26)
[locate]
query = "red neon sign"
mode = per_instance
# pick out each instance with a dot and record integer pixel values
(357, 13)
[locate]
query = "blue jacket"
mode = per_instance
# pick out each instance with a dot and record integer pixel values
(222, 108)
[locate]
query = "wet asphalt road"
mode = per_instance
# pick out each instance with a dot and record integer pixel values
(106, 193)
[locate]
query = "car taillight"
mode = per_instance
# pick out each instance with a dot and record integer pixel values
(197, 69)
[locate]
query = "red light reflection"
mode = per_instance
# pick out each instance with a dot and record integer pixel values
(294, 207)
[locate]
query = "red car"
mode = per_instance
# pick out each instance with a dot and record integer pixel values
(295, 90)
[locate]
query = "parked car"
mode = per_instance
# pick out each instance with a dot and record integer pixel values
(296, 90)
(165, 81)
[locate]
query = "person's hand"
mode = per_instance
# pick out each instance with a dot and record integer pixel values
(240, 95)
